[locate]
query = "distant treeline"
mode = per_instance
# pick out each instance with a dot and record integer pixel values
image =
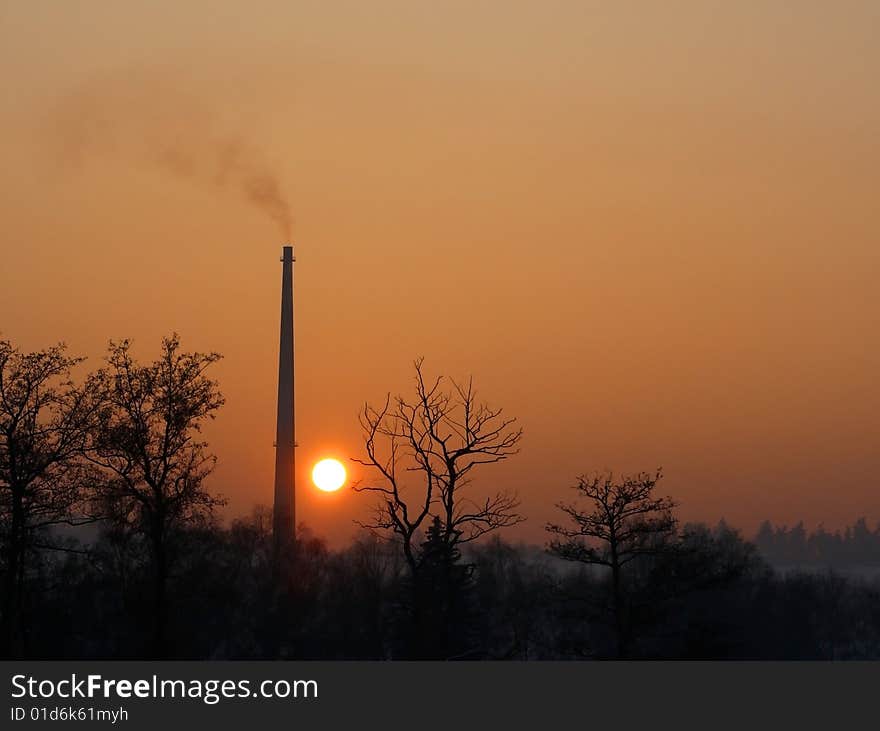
(856, 546)
(716, 599)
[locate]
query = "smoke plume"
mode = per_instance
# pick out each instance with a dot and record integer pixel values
(146, 121)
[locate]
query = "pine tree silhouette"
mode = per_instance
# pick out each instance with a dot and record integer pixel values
(442, 598)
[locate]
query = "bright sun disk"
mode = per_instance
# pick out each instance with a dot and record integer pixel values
(328, 475)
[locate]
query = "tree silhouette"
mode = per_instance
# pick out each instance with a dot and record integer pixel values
(623, 521)
(442, 585)
(43, 423)
(440, 437)
(145, 444)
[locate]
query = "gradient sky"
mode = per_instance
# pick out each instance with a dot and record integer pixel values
(648, 230)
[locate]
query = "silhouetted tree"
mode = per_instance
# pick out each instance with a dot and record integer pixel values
(442, 587)
(441, 436)
(622, 522)
(43, 423)
(145, 442)
(765, 539)
(437, 440)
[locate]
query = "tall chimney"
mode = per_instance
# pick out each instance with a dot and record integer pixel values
(284, 523)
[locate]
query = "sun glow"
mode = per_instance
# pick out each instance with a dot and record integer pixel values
(328, 475)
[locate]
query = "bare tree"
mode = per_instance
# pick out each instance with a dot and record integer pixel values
(424, 451)
(623, 521)
(145, 443)
(43, 424)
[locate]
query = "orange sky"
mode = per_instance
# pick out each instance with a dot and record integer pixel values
(648, 232)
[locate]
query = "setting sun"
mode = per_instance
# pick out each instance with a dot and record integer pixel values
(328, 475)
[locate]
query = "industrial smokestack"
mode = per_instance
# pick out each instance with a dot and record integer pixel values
(284, 524)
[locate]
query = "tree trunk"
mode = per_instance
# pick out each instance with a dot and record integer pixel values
(617, 600)
(619, 621)
(160, 580)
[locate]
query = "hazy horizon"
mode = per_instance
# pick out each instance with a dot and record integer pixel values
(653, 247)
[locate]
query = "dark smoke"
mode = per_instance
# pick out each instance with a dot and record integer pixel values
(259, 184)
(147, 122)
